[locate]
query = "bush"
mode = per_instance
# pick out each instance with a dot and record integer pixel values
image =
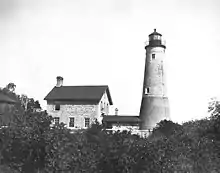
(31, 144)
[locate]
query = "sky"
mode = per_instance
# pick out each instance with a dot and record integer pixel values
(101, 42)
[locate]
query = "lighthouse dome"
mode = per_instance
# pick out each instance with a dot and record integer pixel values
(155, 40)
(155, 33)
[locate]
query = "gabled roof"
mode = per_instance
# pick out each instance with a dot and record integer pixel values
(79, 93)
(5, 99)
(121, 119)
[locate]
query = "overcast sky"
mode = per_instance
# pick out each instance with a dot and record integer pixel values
(101, 42)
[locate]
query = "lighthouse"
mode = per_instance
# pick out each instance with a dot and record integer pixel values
(155, 103)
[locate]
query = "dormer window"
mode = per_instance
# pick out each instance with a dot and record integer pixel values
(57, 107)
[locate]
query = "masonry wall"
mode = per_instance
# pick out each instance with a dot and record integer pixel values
(124, 127)
(155, 103)
(79, 112)
(104, 106)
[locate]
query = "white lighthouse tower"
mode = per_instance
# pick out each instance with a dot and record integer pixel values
(155, 104)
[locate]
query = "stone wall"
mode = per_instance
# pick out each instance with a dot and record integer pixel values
(79, 112)
(104, 105)
(124, 127)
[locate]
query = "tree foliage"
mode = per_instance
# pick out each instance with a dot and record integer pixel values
(31, 144)
(23, 103)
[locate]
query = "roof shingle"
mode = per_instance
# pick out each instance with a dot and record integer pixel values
(121, 119)
(79, 93)
(4, 98)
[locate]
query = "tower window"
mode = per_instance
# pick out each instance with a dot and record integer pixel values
(147, 90)
(153, 56)
(71, 123)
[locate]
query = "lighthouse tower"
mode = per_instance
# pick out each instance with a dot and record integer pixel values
(155, 104)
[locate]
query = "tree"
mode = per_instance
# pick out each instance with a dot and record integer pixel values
(23, 147)
(37, 105)
(165, 128)
(23, 102)
(32, 105)
(11, 87)
(29, 104)
(31, 144)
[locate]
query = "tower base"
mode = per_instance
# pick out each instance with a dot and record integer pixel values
(153, 110)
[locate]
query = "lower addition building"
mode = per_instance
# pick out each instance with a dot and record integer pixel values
(125, 123)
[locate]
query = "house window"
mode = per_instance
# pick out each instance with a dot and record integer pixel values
(57, 107)
(87, 122)
(107, 108)
(56, 120)
(71, 123)
(153, 56)
(101, 106)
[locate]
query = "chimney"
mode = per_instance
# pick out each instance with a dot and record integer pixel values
(59, 81)
(116, 111)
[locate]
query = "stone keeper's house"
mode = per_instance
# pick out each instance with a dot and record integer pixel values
(78, 106)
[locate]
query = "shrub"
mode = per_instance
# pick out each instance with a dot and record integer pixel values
(30, 144)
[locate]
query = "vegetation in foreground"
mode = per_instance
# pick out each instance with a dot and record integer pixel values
(29, 144)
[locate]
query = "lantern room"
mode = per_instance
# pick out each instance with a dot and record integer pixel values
(155, 40)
